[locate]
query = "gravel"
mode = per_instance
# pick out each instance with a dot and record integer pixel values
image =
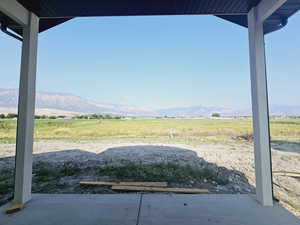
(235, 162)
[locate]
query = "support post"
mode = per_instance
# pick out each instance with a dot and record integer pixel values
(260, 112)
(24, 145)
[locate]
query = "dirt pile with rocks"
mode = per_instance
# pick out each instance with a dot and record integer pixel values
(60, 166)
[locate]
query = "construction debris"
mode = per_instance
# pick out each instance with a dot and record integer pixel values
(14, 208)
(144, 186)
(287, 174)
(138, 184)
(157, 189)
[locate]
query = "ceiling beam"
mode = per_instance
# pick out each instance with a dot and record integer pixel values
(267, 7)
(15, 11)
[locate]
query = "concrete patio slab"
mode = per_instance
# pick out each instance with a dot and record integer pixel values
(50, 209)
(147, 209)
(158, 209)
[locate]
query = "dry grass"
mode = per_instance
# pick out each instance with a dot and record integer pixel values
(174, 130)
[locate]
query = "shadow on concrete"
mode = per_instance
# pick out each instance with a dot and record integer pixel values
(61, 171)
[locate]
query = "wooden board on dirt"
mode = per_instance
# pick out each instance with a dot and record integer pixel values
(288, 174)
(138, 184)
(14, 208)
(158, 189)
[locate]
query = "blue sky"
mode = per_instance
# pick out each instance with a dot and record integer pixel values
(158, 62)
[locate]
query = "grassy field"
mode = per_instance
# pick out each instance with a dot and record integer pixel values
(164, 130)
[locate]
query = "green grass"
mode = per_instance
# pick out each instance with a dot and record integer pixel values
(4, 189)
(6, 173)
(47, 172)
(6, 181)
(160, 172)
(164, 130)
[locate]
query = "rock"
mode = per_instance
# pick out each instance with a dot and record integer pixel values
(237, 188)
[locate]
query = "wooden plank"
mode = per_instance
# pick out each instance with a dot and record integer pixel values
(144, 184)
(14, 208)
(288, 174)
(139, 184)
(158, 189)
(97, 183)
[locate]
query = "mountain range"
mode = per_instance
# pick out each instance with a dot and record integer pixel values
(68, 104)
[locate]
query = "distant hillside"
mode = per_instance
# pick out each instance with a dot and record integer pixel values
(50, 103)
(69, 102)
(44, 111)
(196, 111)
(285, 110)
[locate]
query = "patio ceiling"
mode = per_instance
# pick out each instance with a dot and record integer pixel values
(55, 12)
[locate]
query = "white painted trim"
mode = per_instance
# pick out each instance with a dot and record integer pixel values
(260, 112)
(23, 176)
(267, 7)
(15, 11)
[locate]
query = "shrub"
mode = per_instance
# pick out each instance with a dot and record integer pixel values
(47, 172)
(216, 115)
(93, 116)
(4, 189)
(68, 169)
(245, 137)
(108, 117)
(4, 125)
(11, 115)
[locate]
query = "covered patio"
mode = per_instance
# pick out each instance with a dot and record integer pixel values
(24, 20)
(147, 209)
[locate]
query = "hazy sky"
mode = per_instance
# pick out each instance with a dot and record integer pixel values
(158, 61)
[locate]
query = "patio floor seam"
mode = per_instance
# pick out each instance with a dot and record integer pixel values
(139, 210)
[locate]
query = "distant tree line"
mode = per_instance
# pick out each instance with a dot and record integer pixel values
(86, 116)
(8, 116)
(38, 117)
(97, 117)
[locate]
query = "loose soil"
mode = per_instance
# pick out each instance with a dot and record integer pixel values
(60, 165)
